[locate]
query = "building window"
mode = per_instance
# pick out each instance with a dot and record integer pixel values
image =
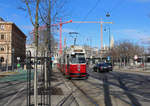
(2, 59)
(2, 27)
(2, 37)
(1, 48)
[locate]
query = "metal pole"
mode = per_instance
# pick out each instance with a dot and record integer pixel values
(60, 42)
(13, 52)
(35, 82)
(27, 79)
(75, 41)
(30, 77)
(28, 67)
(101, 34)
(109, 37)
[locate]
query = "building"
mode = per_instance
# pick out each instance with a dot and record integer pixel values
(32, 49)
(112, 42)
(12, 44)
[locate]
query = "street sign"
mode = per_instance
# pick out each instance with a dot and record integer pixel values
(18, 58)
(18, 65)
(53, 58)
(135, 57)
(108, 57)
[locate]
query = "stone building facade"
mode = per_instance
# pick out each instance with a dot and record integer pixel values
(12, 44)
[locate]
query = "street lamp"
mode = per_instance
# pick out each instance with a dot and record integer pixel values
(107, 14)
(75, 38)
(108, 34)
(13, 51)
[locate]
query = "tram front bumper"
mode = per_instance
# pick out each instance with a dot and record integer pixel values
(78, 75)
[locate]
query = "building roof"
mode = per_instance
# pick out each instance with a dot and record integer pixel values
(13, 24)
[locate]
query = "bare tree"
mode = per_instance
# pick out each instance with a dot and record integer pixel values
(47, 11)
(32, 7)
(125, 50)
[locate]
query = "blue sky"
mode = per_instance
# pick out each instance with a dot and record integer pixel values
(131, 20)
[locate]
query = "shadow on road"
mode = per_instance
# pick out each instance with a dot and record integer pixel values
(133, 99)
(135, 87)
(131, 88)
(107, 98)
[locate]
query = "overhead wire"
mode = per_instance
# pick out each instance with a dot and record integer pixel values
(89, 12)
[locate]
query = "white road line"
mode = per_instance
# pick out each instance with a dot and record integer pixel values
(10, 100)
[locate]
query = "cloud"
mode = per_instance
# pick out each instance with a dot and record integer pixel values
(145, 40)
(27, 27)
(66, 30)
(134, 34)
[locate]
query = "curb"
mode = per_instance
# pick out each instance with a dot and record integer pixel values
(8, 73)
(132, 71)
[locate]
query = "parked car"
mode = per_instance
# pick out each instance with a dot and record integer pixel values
(110, 66)
(102, 67)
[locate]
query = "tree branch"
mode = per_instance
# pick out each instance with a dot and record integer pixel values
(29, 11)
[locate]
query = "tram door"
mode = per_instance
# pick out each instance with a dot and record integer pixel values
(68, 68)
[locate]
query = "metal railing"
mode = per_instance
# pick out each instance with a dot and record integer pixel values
(43, 79)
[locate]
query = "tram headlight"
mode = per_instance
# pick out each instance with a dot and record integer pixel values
(78, 67)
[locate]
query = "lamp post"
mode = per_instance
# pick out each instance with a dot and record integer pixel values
(13, 51)
(108, 34)
(75, 38)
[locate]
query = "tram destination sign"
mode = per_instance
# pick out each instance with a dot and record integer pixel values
(78, 50)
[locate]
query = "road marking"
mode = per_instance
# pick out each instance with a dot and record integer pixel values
(7, 104)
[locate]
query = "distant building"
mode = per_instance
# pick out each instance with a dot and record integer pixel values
(12, 43)
(112, 42)
(32, 49)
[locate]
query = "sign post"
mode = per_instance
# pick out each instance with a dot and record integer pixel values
(18, 64)
(108, 58)
(135, 58)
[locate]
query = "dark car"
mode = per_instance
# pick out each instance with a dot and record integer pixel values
(102, 67)
(110, 66)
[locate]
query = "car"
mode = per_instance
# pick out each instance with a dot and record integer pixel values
(102, 67)
(110, 66)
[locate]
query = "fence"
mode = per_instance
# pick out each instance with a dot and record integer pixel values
(43, 79)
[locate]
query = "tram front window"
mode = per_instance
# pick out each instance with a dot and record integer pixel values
(77, 59)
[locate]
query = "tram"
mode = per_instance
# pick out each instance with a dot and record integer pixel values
(72, 63)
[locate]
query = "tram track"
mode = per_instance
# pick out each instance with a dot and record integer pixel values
(92, 92)
(68, 100)
(76, 96)
(85, 94)
(101, 84)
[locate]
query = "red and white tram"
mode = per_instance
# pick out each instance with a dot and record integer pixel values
(73, 63)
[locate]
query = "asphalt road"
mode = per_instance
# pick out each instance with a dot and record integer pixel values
(13, 90)
(107, 89)
(131, 88)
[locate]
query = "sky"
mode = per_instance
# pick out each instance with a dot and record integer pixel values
(131, 20)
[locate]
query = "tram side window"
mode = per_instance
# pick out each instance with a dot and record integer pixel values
(67, 59)
(59, 61)
(148, 60)
(64, 60)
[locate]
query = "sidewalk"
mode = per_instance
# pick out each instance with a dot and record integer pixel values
(59, 86)
(60, 89)
(135, 69)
